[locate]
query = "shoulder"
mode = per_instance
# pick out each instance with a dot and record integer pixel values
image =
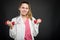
(33, 18)
(14, 18)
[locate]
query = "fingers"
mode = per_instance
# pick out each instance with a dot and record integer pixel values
(9, 23)
(37, 21)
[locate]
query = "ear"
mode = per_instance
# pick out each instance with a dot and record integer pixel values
(19, 8)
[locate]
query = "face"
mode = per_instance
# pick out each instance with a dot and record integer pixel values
(24, 8)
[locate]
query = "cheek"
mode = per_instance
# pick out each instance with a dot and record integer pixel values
(19, 9)
(27, 10)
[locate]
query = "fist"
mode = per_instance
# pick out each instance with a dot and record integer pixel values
(9, 23)
(37, 21)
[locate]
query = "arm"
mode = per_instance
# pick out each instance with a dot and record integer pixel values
(12, 30)
(35, 26)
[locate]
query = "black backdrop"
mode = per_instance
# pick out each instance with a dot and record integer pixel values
(48, 10)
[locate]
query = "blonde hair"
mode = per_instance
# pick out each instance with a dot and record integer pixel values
(29, 14)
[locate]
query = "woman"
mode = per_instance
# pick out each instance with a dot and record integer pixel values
(25, 26)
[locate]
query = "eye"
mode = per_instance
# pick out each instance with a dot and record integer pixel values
(22, 7)
(26, 8)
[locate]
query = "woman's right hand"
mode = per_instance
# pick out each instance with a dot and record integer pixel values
(9, 23)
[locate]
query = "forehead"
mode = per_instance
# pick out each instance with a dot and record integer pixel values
(24, 4)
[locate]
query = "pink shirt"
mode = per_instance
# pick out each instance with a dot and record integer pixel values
(27, 31)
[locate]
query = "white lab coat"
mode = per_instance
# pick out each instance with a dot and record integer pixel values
(18, 31)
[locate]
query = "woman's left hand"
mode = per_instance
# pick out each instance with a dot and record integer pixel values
(39, 21)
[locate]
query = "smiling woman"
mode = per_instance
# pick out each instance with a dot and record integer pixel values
(25, 9)
(25, 26)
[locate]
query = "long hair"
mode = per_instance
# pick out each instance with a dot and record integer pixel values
(29, 14)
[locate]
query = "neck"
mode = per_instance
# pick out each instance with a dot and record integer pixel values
(24, 17)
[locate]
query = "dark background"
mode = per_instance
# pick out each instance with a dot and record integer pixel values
(47, 10)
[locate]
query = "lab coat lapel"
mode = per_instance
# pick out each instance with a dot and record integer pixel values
(21, 29)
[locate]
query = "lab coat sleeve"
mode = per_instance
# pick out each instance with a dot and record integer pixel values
(12, 32)
(35, 27)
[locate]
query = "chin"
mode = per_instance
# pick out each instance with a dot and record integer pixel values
(24, 15)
